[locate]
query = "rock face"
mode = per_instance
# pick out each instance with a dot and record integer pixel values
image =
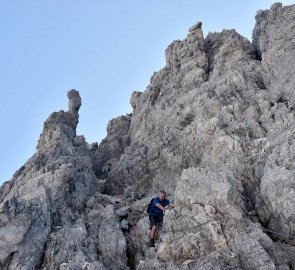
(45, 219)
(215, 128)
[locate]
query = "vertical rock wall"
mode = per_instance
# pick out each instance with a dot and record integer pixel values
(215, 128)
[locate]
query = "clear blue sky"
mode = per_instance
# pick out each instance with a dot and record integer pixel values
(104, 49)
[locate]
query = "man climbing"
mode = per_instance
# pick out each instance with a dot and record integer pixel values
(156, 213)
(106, 170)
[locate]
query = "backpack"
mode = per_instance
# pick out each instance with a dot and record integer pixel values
(149, 208)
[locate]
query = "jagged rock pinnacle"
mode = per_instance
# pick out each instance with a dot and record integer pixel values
(60, 128)
(74, 101)
(214, 128)
(134, 99)
(195, 27)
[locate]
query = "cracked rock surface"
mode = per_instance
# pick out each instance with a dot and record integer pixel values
(214, 128)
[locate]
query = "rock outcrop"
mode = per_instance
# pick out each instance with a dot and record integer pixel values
(45, 220)
(215, 128)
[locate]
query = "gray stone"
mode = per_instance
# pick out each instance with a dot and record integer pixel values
(134, 98)
(198, 25)
(214, 128)
(74, 101)
(122, 212)
(124, 224)
(45, 220)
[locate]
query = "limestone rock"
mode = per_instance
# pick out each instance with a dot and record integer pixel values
(74, 101)
(195, 27)
(134, 99)
(214, 128)
(124, 224)
(123, 211)
(44, 220)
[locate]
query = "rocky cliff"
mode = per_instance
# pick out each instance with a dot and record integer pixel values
(215, 128)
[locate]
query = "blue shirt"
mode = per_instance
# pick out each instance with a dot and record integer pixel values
(156, 210)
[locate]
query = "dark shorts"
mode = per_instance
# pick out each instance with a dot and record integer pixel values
(155, 219)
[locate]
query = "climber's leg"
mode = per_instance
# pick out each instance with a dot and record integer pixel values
(153, 227)
(153, 231)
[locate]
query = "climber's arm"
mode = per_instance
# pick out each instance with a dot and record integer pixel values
(169, 206)
(161, 207)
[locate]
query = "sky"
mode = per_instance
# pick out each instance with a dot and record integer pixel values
(105, 49)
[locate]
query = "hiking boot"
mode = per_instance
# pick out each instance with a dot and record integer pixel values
(152, 242)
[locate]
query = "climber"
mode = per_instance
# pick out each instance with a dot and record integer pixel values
(106, 170)
(157, 208)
